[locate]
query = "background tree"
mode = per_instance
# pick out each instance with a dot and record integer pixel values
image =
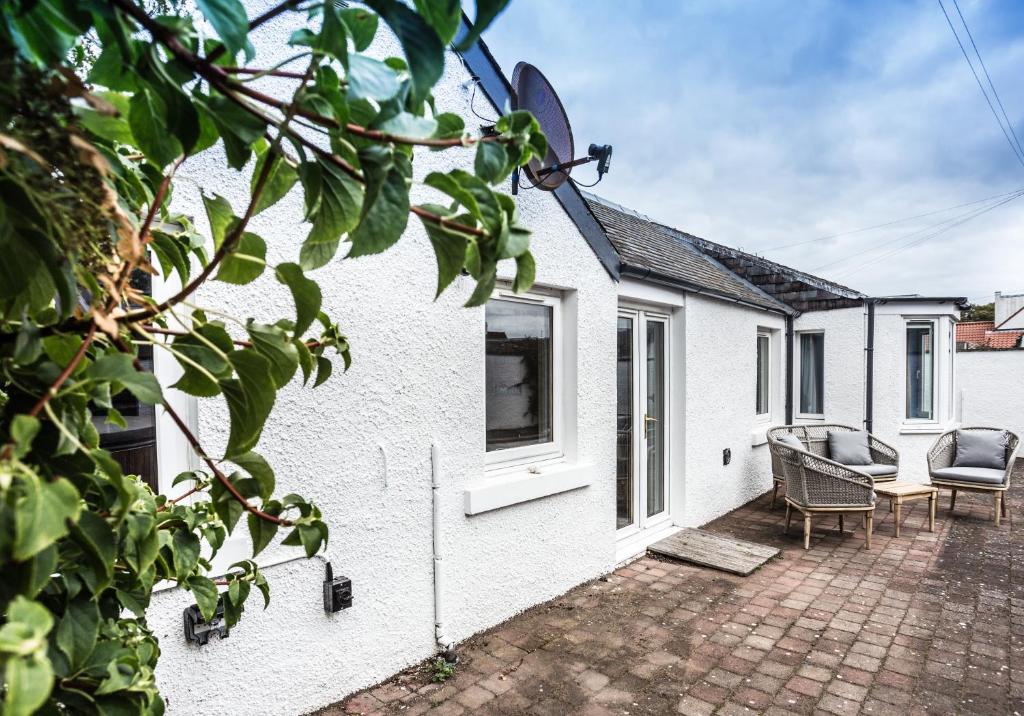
(87, 162)
(979, 312)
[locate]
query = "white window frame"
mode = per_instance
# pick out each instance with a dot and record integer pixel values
(529, 455)
(798, 362)
(766, 416)
(936, 368)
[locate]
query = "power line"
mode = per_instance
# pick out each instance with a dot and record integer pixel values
(970, 64)
(988, 77)
(917, 242)
(890, 223)
(912, 234)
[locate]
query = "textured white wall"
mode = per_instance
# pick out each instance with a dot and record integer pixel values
(844, 363)
(720, 405)
(991, 387)
(417, 379)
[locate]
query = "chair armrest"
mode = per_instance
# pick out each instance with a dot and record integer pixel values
(825, 483)
(942, 452)
(882, 453)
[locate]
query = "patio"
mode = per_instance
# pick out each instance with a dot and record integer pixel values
(928, 623)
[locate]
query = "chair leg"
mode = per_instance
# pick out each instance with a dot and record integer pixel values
(775, 493)
(952, 500)
(999, 506)
(807, 530)
(789, 516)
(841, 526)
(1002, 504)
(869, 517)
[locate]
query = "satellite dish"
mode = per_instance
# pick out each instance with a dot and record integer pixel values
(532, 91)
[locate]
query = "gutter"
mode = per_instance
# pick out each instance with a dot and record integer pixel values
(790, 341)
(869, 369)
(444, 643)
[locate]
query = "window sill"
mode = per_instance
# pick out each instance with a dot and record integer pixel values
(522, 486)
(929, 429)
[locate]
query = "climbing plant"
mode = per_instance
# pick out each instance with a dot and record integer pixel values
(102, 102)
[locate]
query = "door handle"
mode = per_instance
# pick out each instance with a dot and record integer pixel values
(649, 419)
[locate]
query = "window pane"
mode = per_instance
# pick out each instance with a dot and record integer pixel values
(624, 427)
(812, 373)
(920, 361)
(519, 374)
(762, 375)
(655, 418)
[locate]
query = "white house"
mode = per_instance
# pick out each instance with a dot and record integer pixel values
(475, 462)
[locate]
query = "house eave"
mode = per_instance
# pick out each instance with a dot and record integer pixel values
(642, 273)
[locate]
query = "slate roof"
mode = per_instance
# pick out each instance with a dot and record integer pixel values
(982, 335)
(644, 245)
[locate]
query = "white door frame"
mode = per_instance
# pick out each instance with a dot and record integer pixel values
(641, 315)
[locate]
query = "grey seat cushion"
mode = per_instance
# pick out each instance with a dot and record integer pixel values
(849, 447)
(979, 475)
(791, 440)
(876, 470)
(980, 448)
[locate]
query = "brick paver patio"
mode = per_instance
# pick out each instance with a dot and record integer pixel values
(925, 624)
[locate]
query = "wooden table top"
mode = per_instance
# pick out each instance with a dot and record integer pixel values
(903, 489)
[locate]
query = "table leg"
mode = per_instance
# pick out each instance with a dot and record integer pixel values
(867, 532)
(932, 499)
(899, 506)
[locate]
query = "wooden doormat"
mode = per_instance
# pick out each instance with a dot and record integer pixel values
(714, 550)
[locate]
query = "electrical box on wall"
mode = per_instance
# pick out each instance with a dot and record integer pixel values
(337, 592)
(198, 630)
(726, 456)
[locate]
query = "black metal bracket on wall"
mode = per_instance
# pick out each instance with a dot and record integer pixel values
(198, 630)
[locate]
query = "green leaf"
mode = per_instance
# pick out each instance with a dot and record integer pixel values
(526, 272)
(484, 288)
(332, 39)
(491, 163)
(151, 134)
(118, 368)
(385, 219)
(305, 292)
(259, 469)
(42, 512)
(273, 344)
(78, 629)
(370, 79)
(313, 256)
(423, 49)
(450, 251)
(361, 24)
(97, 540)
(220, 215)
(323, 371)
(239, 129)
(305, 359)
(338, 199)
(279, 182)
(205, 592)
(449, 126)
(229, 20)
(262, 533)
(486, 11)
(28, 683)
(444, 16)
(250, 399)
(406, 124)
(245, 262)
(23, 430)
(185, 551)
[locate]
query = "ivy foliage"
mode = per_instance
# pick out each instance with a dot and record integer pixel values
(102, 102)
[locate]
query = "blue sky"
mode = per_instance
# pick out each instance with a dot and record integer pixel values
(762, 124)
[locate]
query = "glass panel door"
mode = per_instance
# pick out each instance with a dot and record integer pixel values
(641, 484)
(654, 419)
(624, 487)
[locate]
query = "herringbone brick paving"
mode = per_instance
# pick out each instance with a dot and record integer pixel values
(931, 623)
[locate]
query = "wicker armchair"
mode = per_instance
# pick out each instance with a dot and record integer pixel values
(885, 459)
(971, 479)
(816, 485)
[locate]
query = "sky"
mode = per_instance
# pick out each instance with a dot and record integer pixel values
(769, 123)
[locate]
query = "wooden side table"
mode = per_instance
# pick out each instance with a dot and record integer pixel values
(900, 492)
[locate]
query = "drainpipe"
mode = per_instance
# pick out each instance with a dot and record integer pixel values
(444, 644)
(790, 340)
(869, 382)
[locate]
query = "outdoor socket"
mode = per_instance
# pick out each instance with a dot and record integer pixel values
(198, 631)
(726, 456)
(337, 592)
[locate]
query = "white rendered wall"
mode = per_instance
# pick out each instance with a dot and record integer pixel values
(844, 330)
(911, 439)
(991, 388)
(721, 356)
(1008, 310)
(359, 446)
